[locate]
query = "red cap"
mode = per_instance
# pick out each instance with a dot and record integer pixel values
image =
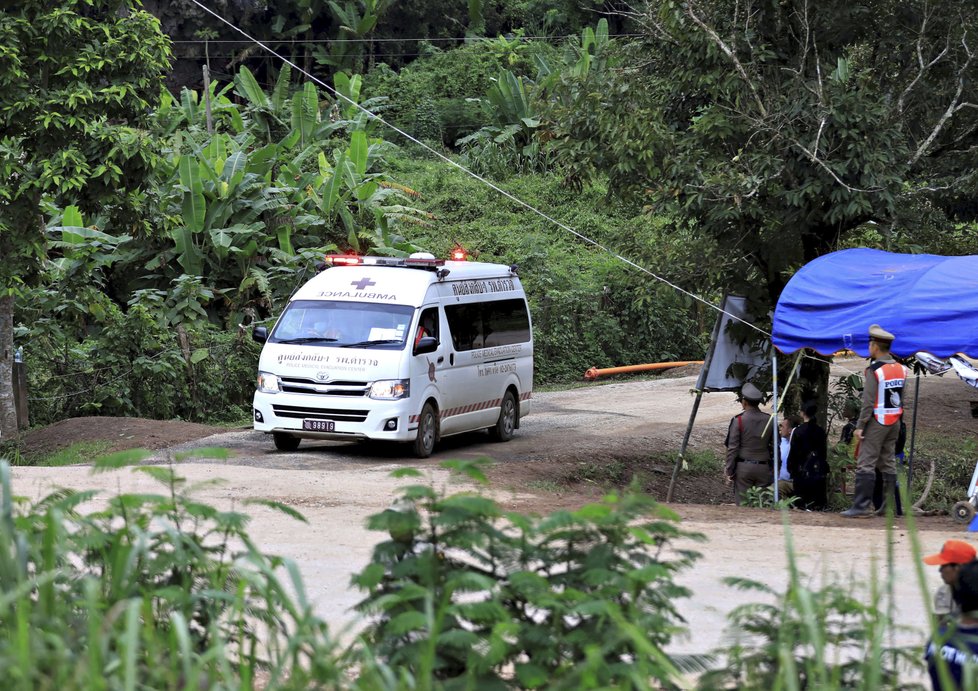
(953, 552)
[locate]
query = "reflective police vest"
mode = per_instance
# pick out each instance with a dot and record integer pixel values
(890, 379)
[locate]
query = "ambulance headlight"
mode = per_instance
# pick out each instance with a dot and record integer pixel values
(268, 383)
(391, 389)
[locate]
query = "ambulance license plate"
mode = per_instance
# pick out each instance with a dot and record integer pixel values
(319, 425)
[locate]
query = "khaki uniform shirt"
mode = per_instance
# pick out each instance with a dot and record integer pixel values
(755, 442)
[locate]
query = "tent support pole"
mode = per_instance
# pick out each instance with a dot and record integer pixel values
(913, 436)
(682, 449)
(700, 385)
(774, 419)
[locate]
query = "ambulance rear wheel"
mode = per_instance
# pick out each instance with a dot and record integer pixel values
(506, 424)
(963, 511)
(424, 443)
(285, 442)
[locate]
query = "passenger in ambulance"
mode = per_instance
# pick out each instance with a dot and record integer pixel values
(428, 326)
(325, 328)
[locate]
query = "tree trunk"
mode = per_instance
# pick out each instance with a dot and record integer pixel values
(8, 411)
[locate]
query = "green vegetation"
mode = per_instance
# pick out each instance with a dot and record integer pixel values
(463, 593)
(80, 452)
(703, 462)
(763, 498)
(155, 590)
(142, 236)
(161, 590)
(830, 637)
(953, 458)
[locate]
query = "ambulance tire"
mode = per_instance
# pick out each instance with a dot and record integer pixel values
(285, 442)
(506, 424)
(424, 443)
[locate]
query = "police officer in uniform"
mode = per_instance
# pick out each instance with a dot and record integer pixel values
(878, 425)
(749, 445)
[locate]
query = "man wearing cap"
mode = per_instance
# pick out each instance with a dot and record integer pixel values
(952, 653)
(953, 555)
(749, 445)
(877, 427)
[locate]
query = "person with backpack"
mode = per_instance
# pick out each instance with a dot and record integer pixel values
(808, 461)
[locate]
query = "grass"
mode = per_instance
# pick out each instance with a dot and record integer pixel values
(548, 486)
(705, 462)
(79, 453)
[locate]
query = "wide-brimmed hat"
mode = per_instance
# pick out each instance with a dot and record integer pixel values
(953, 552)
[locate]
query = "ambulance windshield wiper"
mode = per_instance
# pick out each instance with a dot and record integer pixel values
(367, 344)
(308, 339)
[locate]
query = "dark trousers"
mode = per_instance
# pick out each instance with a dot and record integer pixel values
(878, 494)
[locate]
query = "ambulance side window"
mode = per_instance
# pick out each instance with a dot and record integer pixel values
(465, 325)
(488, 324)
(427, 324)
(506, 322)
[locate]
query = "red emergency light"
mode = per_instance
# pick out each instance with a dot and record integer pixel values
(458, 254)
(343, 259)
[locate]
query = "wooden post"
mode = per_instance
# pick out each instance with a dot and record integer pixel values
(20, 393)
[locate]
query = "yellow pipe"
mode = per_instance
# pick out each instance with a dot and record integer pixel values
(594, 372)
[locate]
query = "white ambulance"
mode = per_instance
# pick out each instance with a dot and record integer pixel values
(397, 349)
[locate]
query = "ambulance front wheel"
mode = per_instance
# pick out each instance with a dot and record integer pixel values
(285, 442)
(424, 443)
(506, 424)
(963, 511)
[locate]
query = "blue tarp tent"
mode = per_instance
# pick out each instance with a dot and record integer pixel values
(928, 302)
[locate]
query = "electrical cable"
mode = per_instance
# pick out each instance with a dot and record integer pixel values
(478, 177)
(457, 39)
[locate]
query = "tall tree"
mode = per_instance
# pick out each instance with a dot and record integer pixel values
(78, 78)
(779, 126)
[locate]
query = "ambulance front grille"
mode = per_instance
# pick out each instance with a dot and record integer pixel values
(299, 412)
(318, 388)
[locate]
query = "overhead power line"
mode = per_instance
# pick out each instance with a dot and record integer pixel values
(455, 39)
(476, 176)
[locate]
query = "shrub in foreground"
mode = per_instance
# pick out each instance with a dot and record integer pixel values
(476, 597)
(153, 591)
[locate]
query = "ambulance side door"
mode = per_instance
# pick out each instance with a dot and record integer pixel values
(430, 374)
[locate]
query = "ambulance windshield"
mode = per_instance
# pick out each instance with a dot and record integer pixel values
(343, 324)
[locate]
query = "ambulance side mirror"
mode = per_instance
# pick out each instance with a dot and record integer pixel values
(427, 344)
(259, 334)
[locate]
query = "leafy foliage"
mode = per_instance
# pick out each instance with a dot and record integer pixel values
(578, 599)
(588, 308)
(156, 590)
(763, 498)
(445, 87)
(782, 133)
(833, 637)
(77, 81)
(131, 363)
(954, 464)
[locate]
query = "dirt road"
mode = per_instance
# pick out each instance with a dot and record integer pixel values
(337, 485)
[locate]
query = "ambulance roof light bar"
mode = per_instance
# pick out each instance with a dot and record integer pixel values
(425, 261)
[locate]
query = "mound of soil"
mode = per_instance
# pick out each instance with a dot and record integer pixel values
(120, 433)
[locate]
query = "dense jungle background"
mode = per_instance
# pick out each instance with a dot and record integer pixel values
(148, 224)
(166, 182)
